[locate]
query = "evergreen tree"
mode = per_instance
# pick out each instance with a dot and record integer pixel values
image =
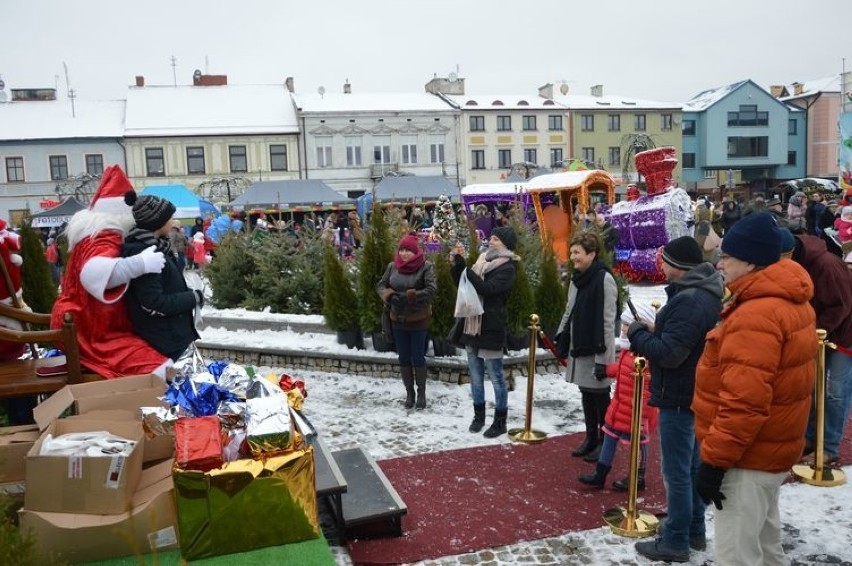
(39, 292)
(229, 271)
(372, 262)
(444, 223)
(444, 302)
(520, 304)
(339, 300)
(550, 294)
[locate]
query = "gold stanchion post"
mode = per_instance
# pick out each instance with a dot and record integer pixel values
(818, 474)
(631, 522)
(527, 434)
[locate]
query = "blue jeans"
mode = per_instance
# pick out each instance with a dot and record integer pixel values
(410, 347)
(680, 455)
(610, 443)
(477, 367)
(838, 397)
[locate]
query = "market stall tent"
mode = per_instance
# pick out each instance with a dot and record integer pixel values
(58, 215)
(298, 195)
(186, 202)
(411, 188)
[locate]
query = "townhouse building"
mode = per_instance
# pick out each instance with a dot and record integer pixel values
(742, 140)
(212, 137)
(52, 147)
(352, 140)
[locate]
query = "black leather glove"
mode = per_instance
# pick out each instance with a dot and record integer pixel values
(634, 327)
(600, 372)
(199, 297)
(396, 301)
(708, 482)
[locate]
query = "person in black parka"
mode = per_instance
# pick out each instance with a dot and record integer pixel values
(160, 305)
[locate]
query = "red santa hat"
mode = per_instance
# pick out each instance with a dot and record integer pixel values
(110, 194)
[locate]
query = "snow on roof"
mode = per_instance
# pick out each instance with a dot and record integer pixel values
(502, 102)
(493, 189)
(567, 179)
(209, 110)
(706, 99)
(370, 102)
(811, 88)
(52, 119)
(611, 102)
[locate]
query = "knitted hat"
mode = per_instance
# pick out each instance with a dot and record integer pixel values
(506, 235)
(683, 253)
(646, 312)
(788, 241)
(110, 194)
(409, 242)
(198, 237)
(773, 201)
(754, 239)
(846, 211)
(150, 212)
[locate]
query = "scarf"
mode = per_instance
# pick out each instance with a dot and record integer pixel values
(410, 266)
(149, 239)
(489, 261)
(587, 331)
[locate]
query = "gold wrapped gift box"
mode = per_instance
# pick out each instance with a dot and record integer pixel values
(247, 504)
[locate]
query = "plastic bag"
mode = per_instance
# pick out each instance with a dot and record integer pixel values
(467, 299)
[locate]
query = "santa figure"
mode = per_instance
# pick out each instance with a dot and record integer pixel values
(10, 246)
(95, 280)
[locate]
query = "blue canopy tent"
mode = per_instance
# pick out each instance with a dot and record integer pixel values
(186, 202)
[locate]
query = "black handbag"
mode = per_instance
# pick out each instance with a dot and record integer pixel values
(455, 333)
(562, 341)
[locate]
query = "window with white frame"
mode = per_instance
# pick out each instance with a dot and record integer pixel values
(554, 122)
(381, 149)
(409, 151)
(666, 121)
(530, 155)
(58, 167)
(278, 157)
(587, 122)
(353, 151)
(710, 174)
(504, 158)
(477, 159)
(504, 123)
(195, 160)
(613, 122)
(15, 170)
(555, 156)
(237, 161)
(436, 150)
(588, 154)
(639, 122)
(529, 123)
(477, 123)
(323, 151)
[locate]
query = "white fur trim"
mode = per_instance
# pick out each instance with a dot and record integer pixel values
(95, 275)
(16, 259)
(115, 205)
(87, 223)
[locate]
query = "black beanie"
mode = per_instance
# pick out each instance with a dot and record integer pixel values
(149, 212)
(754, 239)
(506, 235)
(683, 253)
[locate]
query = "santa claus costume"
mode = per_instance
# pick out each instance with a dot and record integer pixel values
(95, 280)
(10, 246)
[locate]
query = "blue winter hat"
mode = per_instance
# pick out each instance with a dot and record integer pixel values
(754, 239)
(788, 241)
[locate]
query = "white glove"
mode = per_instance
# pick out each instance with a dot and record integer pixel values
(153, 261)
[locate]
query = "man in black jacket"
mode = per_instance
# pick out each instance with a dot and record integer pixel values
(160, 305)
(673, 343)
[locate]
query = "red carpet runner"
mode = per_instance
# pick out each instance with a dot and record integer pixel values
(466, 500)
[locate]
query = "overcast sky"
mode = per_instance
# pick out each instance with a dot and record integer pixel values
(666, 50)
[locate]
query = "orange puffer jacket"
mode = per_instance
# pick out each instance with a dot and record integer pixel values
(755, 379)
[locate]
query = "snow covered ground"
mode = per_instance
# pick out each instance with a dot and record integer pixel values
(366, 411)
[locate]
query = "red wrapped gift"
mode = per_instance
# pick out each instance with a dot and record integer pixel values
(287, 383)
(198, 443)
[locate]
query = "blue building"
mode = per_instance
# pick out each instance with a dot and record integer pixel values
(740, 139)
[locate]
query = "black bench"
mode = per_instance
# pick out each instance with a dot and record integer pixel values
(329, 481)
(370, 507)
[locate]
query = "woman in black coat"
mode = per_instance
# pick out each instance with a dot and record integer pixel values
(484, 336)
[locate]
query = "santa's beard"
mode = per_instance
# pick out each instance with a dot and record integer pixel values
(87, 223)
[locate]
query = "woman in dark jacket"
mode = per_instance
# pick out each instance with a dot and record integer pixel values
(730, 215)
(407, 288)
(484, 336)
(160, 305)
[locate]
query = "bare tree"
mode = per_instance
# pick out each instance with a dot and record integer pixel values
(81, 187)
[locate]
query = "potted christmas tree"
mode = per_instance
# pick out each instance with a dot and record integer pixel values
(37, 286)
(372, 263)
(443, 305)
(339, 301)
(550, 294)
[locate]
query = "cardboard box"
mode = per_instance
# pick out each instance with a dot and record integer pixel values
(269, 502)
(150, 525)
(15, 442)
(123, 393)
(103, 485)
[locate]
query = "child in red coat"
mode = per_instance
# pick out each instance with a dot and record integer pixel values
(619, 415)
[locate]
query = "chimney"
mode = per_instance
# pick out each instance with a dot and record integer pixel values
(450, 85)
(140, 80)
(776, 91)
(546, 91)
(798, 88)
(288, 83)
(199, 79)
(597, 90)
(347, 88)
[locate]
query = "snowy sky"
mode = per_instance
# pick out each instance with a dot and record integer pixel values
(367, 411)
(499, 46)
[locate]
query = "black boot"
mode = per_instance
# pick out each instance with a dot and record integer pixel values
(594, 454)
(600, 404)
(589, 415)
(598, 478)
(420, 377)
(622, 484)
(408, 380)
(498, 427)
(478, 418)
